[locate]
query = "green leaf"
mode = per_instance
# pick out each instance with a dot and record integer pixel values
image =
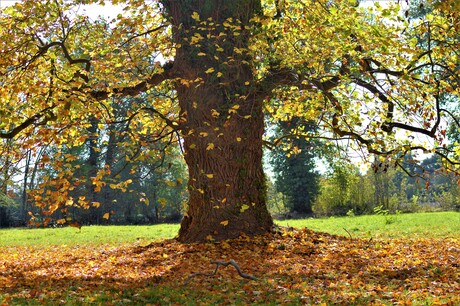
(244, 207)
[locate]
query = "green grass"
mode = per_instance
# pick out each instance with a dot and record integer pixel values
(89, 235)
(435, 225)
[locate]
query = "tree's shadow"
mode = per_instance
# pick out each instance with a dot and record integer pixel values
(304, 265)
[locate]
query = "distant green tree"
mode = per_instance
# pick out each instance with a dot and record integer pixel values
(345, 191)
(293, 162)
(275, 200)
(382, 176)
(7, 208)
(333, 198)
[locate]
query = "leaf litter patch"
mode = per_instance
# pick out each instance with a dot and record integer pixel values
(288, 266)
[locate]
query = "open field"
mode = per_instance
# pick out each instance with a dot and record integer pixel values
(435, 225)
(410, 260)
(88, 235)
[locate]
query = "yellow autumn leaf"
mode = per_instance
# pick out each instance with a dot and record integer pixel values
(195, 16)
(106, 216)
(210, 146)
(201, 54)
(215, 113)
(210, 70)
(210, 175)
(219, 74)
(145, 200)
(170, 183)
(224, 223)
(238, 139)
(233, 109)
(163, 202)
(296, 150)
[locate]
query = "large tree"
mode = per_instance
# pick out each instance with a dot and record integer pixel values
(210, 68)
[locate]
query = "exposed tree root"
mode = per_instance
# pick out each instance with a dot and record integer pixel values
(218, 264)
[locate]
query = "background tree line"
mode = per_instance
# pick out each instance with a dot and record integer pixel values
(111, 183)
(151, 188)
(344, 190)
(418, 183)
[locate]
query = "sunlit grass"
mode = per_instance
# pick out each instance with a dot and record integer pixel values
(435, 225)
(88, 235)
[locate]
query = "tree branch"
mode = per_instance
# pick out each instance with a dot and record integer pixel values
(457, 122)
(28, 122)
(143, 33)
(272, 144)
(141, 87)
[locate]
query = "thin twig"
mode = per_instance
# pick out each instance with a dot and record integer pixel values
(347, 232)
(218, 264)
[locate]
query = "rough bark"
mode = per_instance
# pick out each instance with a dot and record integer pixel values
(222, 122)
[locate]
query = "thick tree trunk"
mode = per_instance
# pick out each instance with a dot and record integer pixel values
(222, 120)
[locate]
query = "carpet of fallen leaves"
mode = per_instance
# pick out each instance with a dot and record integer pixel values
(292, 267)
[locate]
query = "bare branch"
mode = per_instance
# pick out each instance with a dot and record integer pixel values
(457, 122)
(272, 144)
(144, 33)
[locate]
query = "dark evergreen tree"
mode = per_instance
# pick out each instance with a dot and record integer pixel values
(295, 174)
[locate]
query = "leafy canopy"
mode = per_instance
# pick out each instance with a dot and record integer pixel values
(370, 76)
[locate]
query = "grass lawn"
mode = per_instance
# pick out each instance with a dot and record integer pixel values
(435, 225)
(412, 259)
(88, 235)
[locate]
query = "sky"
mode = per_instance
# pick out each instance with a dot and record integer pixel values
(92, 11)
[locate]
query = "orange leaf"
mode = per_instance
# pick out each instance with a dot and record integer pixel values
(75, 224)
